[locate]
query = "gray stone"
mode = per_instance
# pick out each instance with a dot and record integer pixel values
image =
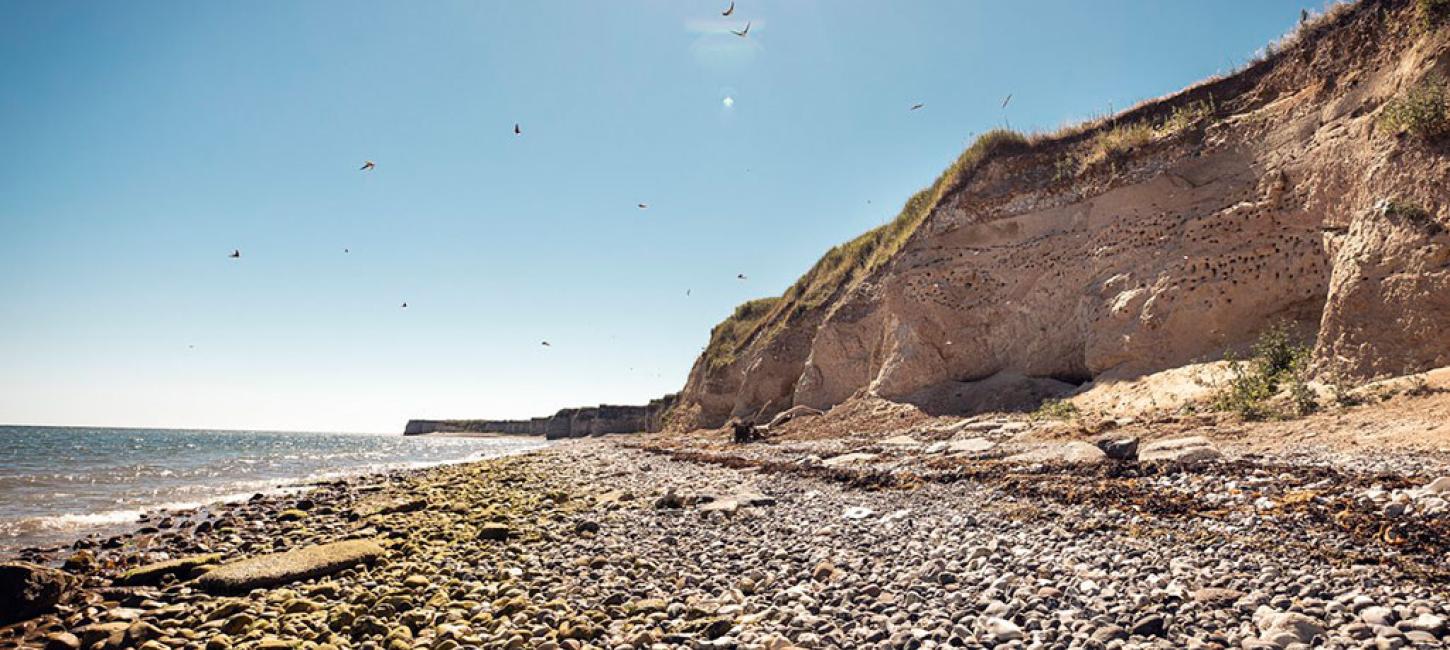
(1119, 447)
(1075, 452)
(849, 459)
(970, 446)
(1188, 451)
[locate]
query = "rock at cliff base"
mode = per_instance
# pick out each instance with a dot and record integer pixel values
(744, 432)
(152, 574)
(1075, 452)
(848, 459)
(29, 590)
(1190, 450)
(1119, 447)
(291, 566)
(970, 446)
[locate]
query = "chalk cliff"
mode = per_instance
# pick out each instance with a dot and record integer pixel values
(1309, 188)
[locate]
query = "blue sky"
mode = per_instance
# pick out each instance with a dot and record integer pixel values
(141, 142)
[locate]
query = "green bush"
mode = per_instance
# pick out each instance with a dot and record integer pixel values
(1422, 111)
(1277, 363)
(1055, 409)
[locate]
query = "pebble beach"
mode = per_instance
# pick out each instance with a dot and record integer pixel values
(615, 543)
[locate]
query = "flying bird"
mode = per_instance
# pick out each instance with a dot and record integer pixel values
(367, 166)
(517, 130)
(740, 276)
(742, 32)
(917, 107)
(687, 292)
(405, 305)
(1005, 101)
(546, 344)
(346, 250)
(235, 254)
(729, 11)
(644, 206)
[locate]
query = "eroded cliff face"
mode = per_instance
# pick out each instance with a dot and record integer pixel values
(1170, 234)
(567, 423)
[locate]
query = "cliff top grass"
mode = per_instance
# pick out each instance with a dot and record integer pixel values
(845, 265)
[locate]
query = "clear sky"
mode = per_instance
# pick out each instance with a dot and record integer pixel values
(141, 142)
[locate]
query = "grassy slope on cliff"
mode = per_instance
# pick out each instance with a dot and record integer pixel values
(846, 264)
(1079, 147)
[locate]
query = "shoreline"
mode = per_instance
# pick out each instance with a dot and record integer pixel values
(102, 527)
(637, 543)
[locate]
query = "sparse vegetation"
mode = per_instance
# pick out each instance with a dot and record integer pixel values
(1422, 111)
(853, 260)
(1055, 409)
(732, 334)
(1277, 364)
(1432, 13)
(1120, 139)
(844, 265)
(1117, 141)
(1412, 215)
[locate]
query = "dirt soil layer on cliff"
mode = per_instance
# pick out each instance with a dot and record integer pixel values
(595, 544)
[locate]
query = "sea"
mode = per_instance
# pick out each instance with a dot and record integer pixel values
(58, 484)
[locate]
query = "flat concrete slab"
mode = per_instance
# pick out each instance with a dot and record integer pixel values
(283, 568)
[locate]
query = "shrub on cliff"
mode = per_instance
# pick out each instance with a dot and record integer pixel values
(1422, 111)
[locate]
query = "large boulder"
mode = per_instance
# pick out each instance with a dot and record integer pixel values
(1119, 447)
(1188, 451)
(1075, 452)
(29, 590)
(291, 566)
